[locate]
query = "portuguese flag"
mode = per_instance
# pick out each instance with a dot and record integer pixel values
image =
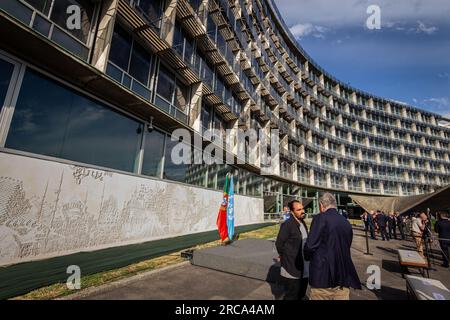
(222, 216)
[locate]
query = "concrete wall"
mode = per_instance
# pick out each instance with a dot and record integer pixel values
(49, 209)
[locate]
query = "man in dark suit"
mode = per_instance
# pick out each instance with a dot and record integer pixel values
(371, 224)
(392, 225)
(332, 272)
(442, 227)
(290, 242)
(381, 221)
(400, 224)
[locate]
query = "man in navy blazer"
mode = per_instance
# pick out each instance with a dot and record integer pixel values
(332, 272)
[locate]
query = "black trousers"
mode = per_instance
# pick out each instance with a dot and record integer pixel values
(295, 289)
(445, 246)
(402, 232)
(372, 231)
(392, 231)
(383, 232)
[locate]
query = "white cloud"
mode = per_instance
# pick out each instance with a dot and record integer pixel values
(440, 105)
(352, 13)
(302, 30)
(423, 28)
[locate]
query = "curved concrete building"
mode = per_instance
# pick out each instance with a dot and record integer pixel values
(91, 92)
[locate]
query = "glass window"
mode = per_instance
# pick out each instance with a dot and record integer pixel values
(41, 5)
(60, 16)
(151, 9)
(166, 84)
(173, 171)
(140, 63)
(153, 153)
(53, 120)
(181, 96)
(120, 50)
(206, 116)
(6, 70)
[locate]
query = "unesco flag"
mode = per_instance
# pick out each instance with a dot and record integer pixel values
(230, 210)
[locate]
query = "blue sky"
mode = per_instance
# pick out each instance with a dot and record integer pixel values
(407, 60)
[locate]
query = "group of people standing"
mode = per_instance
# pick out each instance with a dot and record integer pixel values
(319, 257)
(418, 225)
(384, 224)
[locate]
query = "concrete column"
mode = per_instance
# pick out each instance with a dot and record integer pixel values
(325, 143)
(360, 157)
(337, 89)
(170, 14)
(333, 131)
(345, 182)
(309, 136)
(418, 152)
(104, 35)
(377, 157)
(395, 157)
(328, 177)
(301, 151)
(311, 176)
(350, 136)
(392, 133)
(319, 159)
(294, 171)
(406, 176)
(387, 108)
(196, 107)
(399, 187)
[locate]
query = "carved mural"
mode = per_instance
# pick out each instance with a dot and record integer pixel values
(49, 209)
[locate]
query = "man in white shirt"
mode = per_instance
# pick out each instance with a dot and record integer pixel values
(290, 242)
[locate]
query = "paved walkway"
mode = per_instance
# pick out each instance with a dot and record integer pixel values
(185, 281)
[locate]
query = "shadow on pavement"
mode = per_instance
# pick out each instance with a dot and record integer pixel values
(388, 293)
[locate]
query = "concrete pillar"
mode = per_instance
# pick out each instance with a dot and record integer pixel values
(345, 182)
(311, 176)
(104, 35)
(196, 107)
(399, 187)
(170, 14)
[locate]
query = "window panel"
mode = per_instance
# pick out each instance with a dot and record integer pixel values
(120, 50)
(140, 63)
(41, 5)
(172, 171)
(53, 120)
(166, 84)
(153, 153)
(6, 71)
(60, 16)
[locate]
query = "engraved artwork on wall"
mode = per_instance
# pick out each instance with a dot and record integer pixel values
(49, 209)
